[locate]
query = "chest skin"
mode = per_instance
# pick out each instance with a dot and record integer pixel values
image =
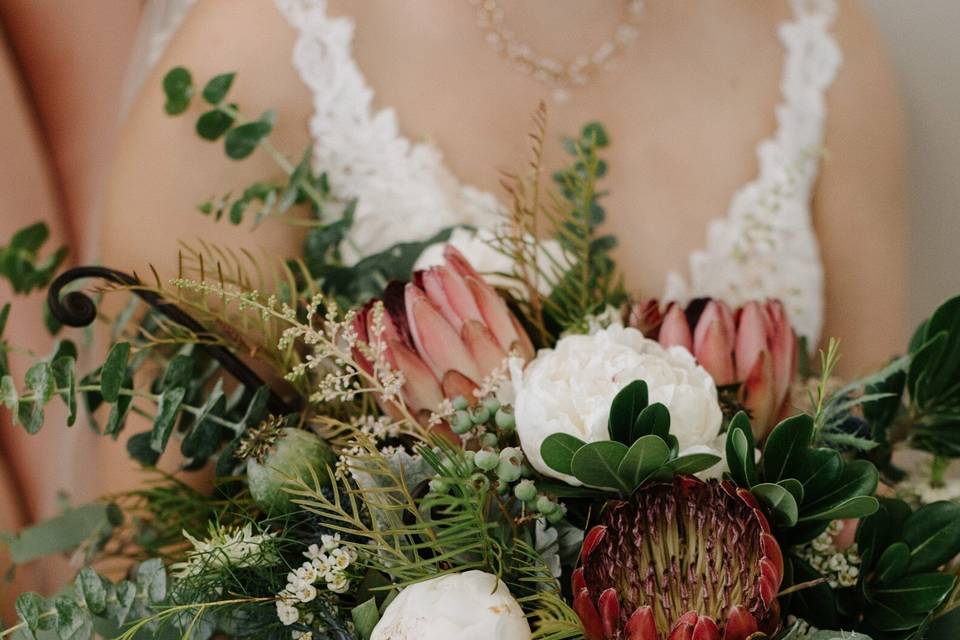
(685, 105)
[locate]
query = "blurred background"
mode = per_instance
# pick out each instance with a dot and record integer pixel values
(924, 48)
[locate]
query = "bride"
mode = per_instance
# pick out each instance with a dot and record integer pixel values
(756, 145)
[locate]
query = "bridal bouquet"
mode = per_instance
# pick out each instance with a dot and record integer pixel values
(478, 435)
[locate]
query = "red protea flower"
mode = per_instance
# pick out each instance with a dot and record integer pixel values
(687, 560)
(753, 345)
(446, 332)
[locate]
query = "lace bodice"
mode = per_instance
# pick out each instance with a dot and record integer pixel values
(764, 246)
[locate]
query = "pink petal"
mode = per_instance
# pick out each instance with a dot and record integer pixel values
(757, 396)
(450, 294)
(740, 624)
(420, 388)
(589, 618)
(714, 351)
(456, 384)
(436, 340)
(495, 313)
(706, 629)
(482, 346)
(751, 338)
(675, 330)
(646, 317)
(783, 346)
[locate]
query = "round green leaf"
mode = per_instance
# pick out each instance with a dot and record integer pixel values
(855, 507)
(693, 463)
(213, 124)
(858, 478)
(113, 371)
(557, 451)
(644, 456)
(918, 593)
(893, 563)
(786, 448)
(933, 534)
(218, 86)
(778, 501)
(653, 420)
(740, 451)
(625, 409)
(596, 464)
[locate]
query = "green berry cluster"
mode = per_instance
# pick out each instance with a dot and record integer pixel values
(488, 413)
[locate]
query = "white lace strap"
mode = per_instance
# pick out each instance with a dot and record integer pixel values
(766, 246)
(404, 191)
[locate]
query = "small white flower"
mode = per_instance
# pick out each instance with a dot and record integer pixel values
(341, 559)
(288, 614)
(339, 584)
(473, 605)
(312, 552)
(307, 573)
(306, 593)
(302, 635)
(569, 390)
(330, 542)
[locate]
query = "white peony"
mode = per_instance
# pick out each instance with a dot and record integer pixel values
(480, 248)
(569, 390)
(473, 605)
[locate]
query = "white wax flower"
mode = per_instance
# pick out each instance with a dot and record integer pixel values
(473, 605)
(569, 390)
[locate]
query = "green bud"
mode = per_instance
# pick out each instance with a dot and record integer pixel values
(512, 453)
(525, 490)
(486, 459)
(489, 440)
(468, 458)
(507, 471)
(545, 505)
(492, 405)
(480, 415)
(439, 486)
(557, 515)
(461, 422)
(480, 481)
(460, 403)
(505, 420)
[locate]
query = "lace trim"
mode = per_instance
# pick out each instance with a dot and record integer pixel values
(766, 243)
(404, 191)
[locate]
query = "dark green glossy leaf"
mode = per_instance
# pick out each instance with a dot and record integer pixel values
(644, 456)
(693, 463)
(855, 507)
(120, 410)
(918, 593)
(113, 371)
(786, 448)
(177, 83)
(595, 464)
(168, 407)
(557, 451)
(740, 451)
(625, 409)
(933, 535)
(213, 124)
(891, 620)
(365, 617)
(140, 449)
(794, 487)
(216, 89)
(858, 478)
(241, 140)
(654, 420)
(778, 501)
(893, 563)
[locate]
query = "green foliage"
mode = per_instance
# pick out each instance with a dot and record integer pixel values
(802, 486)
(81, 527)
(94, 600)
(901, 586)
(640, 448)
(20, 262)
(178, 89)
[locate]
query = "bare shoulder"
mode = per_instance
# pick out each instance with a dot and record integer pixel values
(162, 169)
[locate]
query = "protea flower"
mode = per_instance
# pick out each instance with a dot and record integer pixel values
(687, 560)
(754, 346)
(447, 331)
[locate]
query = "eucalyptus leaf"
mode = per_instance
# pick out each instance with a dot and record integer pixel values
(65, 377)
(59, 534)
(214, 123)
(168, 408)
(151, 578)
(90, 586)
(113, 371)
(119, 602)
(119, 411)
(240, 141)
(557, 451)
(73, 621)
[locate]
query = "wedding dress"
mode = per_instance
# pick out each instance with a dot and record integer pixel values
(765, 245)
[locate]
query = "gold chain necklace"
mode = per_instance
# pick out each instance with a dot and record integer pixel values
(560, 77)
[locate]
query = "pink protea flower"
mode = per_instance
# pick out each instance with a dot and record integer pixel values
(446, 332)
(753, 345)
(686, 560)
